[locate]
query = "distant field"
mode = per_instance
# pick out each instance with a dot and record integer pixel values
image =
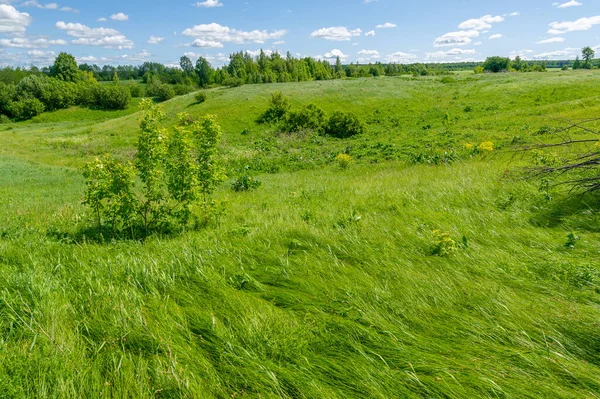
(321, 283)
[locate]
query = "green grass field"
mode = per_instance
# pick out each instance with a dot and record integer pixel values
(322, 282)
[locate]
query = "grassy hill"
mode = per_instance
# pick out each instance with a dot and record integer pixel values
(323, 283)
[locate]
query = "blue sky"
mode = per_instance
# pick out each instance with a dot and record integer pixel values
(134, 31)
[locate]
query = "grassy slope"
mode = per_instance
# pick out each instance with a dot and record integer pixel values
(321, 283)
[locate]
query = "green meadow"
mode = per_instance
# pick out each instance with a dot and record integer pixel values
(425, 269)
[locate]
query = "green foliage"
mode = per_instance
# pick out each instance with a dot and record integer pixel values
(200, 97)
(53, 93)
(572, 239)
(279, 106)
(310, 117)
(111, 97)
(204, 72)
(174, 170)
(344, 161)
(564, 68)
(479, 70)
(182, 89)
(577, 63)
(26, 108)
(136, 90)
(164, 92)
(65, 68)
(496, 64)
(245, 183)
(588, 55)
(233, 82)
(343, 125)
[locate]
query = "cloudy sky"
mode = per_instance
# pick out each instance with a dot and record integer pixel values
(134, 31)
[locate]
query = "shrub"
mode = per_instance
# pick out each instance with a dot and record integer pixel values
(8, 94)
(310, 117)
(245, 183)
(478, 70)
(278, 108)
(233, 82)
(565, 68)
(181, 89)
(496, 64)
(448, 79)
(344, 161)
(200, 97)
(136, 90)
(4, 119)
(53, 93)
(164, 92)
(343, 125)
(443, 244)
(111, 97)
(26, 108)
(171, 171)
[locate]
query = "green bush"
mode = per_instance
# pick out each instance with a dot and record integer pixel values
(26, 108)
(343, 125)
(478, 70)
(111, 97)
(164, 92)
(200, 97)
(278, 108)
(497, 64)
(53, 93)
(181, 89)
(310, 117)
(233, 82)
(4, 119)
(8, 94)
(136, 90)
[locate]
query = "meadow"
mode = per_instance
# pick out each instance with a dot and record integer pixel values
(324, 282)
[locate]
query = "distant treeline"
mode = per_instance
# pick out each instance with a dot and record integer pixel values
(264, 68)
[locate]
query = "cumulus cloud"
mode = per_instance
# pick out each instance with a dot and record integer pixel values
(336, 33)
(387, 25)
(21, 42)
(155, 39)
(482, 23)
(102, 37)
(209, 4)
(47, 6)
(401, 58)
(496, 36)
(214, 35)
(456, 53)
(12, 20)
(370, 33)
(460, 38)
(120, 17)
(558, 28)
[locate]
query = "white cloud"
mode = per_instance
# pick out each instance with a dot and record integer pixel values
(460, 38)
(496, 36)
(103, 37)
(571, 3)
(558, 28)
(370, 33)
(401, 58)
(13, 21)
(482, 23)
(336, 33)
(370, 53)
(565, 54)
(551, 40)
(155, 39)
(387, 25)
(47, 6)
(209, 4)
(119, 17)
(455, 52)
(214, 35)
(21, 42)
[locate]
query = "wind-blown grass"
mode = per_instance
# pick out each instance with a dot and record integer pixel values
(322, 283)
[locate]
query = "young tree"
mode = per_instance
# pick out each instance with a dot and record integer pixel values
(588, 55)
(204, 71)
(577, 63)
(65, 68)
(186, 65)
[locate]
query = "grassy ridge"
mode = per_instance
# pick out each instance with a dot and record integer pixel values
(322, 283)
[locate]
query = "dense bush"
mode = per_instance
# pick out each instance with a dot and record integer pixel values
(8, 94)
(53, 93)
(343, 125)
(164, 92)
(26, 108)
(200, 97)
(497, 64)
(310, 117)
(111, 97)
(136, 90)
(278, 108)
(181, 89)
(233, 82)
